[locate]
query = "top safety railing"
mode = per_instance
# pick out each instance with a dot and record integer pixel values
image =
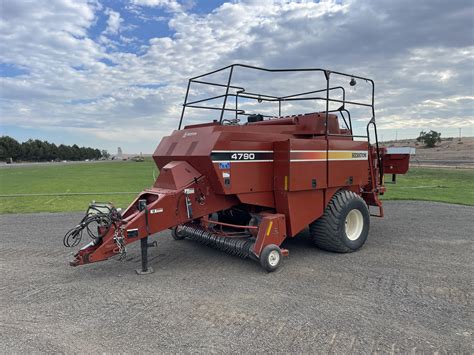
(240, 92)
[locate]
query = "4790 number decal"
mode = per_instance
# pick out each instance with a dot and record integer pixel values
(242, 156)
(228, 156)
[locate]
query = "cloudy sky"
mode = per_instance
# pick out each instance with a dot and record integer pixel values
(112, 73)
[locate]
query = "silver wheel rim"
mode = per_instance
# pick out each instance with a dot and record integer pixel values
(274, 258)
(354, 224)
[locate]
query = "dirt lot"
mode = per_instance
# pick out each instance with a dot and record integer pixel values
(408, 289)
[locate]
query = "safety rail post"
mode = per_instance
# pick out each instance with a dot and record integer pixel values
(350, 121)
(236, 105)
(184, 105)
(372, 121)
(327, 73)
(226, 93)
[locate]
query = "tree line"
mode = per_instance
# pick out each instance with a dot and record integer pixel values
(37, 150)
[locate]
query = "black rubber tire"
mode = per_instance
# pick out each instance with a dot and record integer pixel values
(176, 235)
(329, 232)
(265, 257)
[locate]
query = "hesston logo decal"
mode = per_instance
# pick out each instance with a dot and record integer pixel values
(359, 155)
(189, 134)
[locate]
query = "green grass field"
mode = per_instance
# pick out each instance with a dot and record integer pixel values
(129, 178)
(442, 185)
(95, 178)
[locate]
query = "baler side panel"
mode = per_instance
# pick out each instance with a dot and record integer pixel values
(348, 163)
(250, 162)
(251, 180)
(305, 207)
(299, 182)
(307, 164)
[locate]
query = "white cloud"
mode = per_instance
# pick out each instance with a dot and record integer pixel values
(423, 72)
(113, 22)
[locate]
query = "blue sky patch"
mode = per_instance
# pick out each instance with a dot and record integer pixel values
(10, 70)
(204, 7)
(107, 62)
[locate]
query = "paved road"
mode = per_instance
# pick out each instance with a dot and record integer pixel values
(408, 289)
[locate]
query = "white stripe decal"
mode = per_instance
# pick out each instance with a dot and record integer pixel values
(242, 151)
(352, 152)
(330, 151)
(292, 151)
(241, 161)
(341, 159)
(303, 160)
(348, 151)
(309, 151)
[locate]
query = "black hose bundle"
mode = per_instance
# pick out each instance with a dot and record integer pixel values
(97, 216)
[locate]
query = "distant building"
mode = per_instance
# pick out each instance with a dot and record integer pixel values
(119, 153)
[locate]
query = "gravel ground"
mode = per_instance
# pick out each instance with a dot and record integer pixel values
(408, 289)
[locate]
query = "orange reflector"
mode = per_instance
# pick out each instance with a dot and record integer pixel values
(269, 228)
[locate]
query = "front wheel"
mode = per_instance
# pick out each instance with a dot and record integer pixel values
(270, 257)
(344, 226)
(177, 234)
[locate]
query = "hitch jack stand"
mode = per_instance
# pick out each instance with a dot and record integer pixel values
(144, 242)
(145, 270)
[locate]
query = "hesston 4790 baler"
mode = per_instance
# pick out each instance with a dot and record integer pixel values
(244, 187)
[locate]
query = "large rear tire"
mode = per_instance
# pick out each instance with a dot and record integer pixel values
(344, 226)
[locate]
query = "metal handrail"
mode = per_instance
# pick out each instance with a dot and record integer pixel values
(327, 74)
(295, 97)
